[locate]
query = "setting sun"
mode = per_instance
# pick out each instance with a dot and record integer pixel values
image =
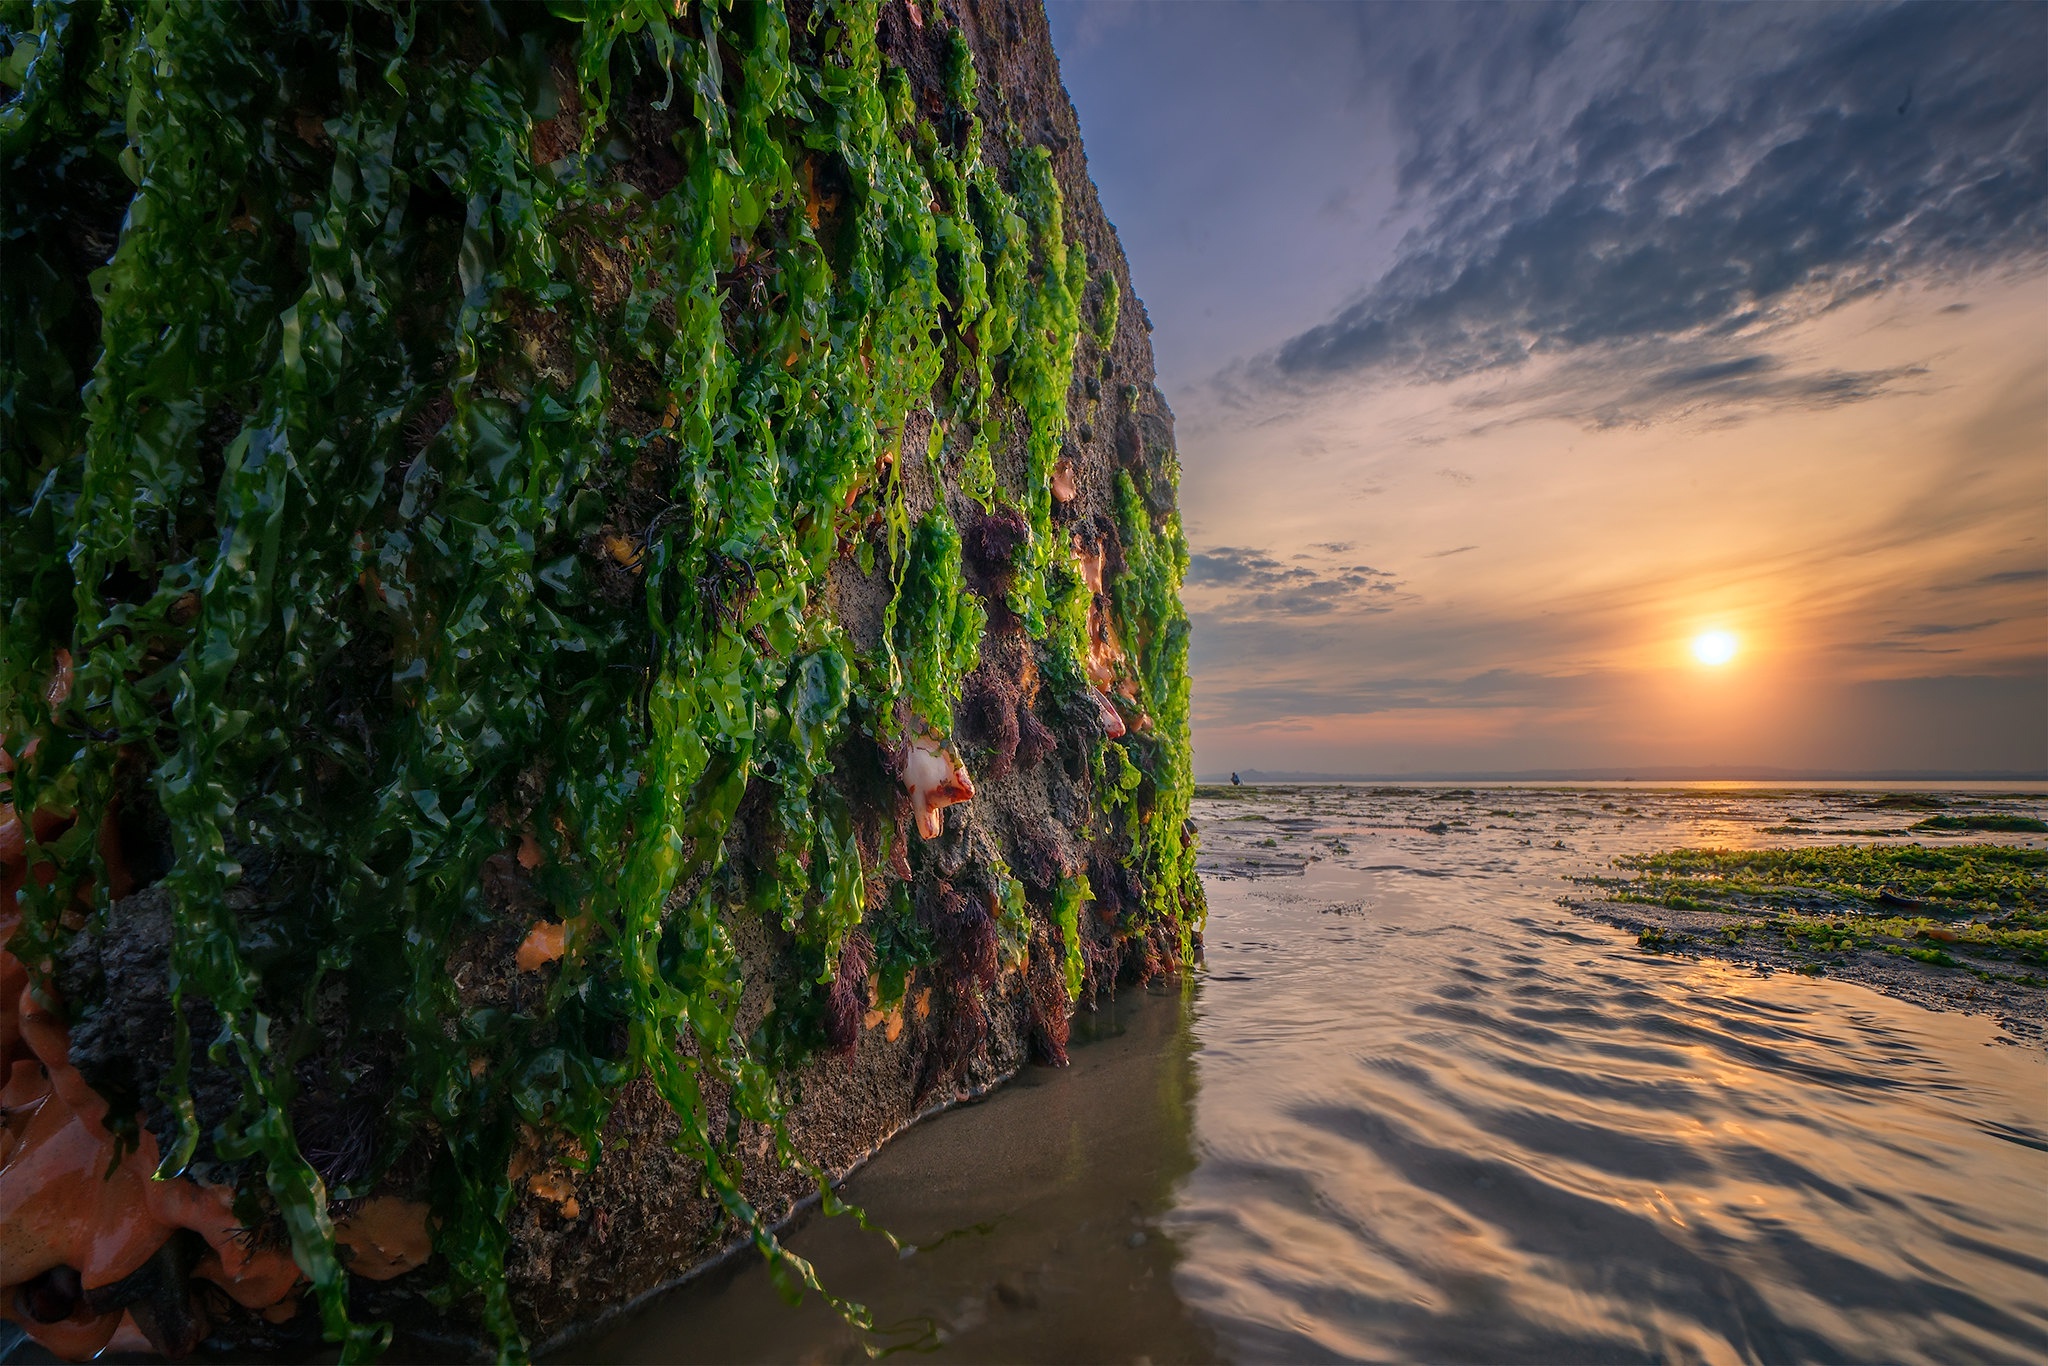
(1714, 647)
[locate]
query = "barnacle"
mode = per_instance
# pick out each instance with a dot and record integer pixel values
(934, 777)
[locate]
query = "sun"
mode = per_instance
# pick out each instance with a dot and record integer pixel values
(1714, 648)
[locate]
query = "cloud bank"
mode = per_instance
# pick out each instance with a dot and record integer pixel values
(1236, 582)
(1646, 196)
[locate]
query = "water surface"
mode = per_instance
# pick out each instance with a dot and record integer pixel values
(1414, 1109)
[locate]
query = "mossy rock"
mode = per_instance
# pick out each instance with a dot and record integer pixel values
(498, 499)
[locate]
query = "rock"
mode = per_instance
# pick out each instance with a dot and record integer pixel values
(617, 641)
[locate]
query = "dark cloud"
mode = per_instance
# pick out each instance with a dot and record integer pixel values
(1252, 583)
(1756, 379)
(1948, 628)
(1446, 554)
(1626, 386)
(2004, 578)
(1605, 182)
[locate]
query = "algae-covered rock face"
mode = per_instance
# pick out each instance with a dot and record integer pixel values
(590, 625)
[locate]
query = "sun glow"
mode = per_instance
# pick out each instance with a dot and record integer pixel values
(1714, 648)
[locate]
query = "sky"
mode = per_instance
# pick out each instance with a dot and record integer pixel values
(1514, 348)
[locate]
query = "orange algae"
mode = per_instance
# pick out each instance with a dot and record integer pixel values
(1064, 487)
(72, 1199)
(1112, 719)
(1089, 562)
(543, 944)
(384, 1237)
(1106, 657)
(79, 1212)
(935, 778)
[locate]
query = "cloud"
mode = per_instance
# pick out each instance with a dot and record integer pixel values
(1634, 385)
(1446, 554)
(1490, 689)
(1233, 582)
(1949, 628)
(2012, 576)
(1610, 185)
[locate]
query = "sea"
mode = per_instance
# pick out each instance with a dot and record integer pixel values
(1413, 1106)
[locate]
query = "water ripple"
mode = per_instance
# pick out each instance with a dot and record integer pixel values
(1488, 1133)
(1450, 1122)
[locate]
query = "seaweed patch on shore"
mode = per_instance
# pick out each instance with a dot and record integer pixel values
(1958, 927)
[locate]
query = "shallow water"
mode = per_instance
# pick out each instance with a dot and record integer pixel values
(1416, 1110)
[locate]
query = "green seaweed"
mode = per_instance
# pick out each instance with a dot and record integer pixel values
(1990, 899)
(1989, 822)
(1955, 879)
(1154, 625)
(935, 625)
(1069, 898)
(1107, 312)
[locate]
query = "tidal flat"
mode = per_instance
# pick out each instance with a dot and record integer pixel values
(1425, 1102)
(1876, 915)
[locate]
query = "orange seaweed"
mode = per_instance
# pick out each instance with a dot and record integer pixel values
(384, 1237)
(543, 944)
(73, 1203)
